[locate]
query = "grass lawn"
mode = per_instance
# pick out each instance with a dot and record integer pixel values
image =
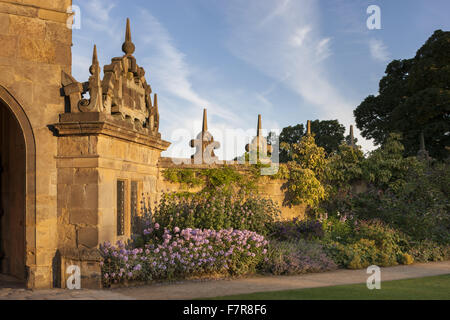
(428, 288)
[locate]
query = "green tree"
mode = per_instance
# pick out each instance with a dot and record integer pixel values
(288, 136)
(329, 134)
(306, 171)
(414, 96)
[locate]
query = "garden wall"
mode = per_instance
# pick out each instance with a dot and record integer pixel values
(267, 187)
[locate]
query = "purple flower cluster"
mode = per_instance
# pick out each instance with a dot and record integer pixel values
(187, 252)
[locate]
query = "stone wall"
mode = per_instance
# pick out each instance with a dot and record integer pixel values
(267, 187)
(35, 48)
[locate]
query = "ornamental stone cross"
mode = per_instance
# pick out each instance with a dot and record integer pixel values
(205, 145)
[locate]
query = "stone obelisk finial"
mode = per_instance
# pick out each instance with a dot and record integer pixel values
(155, 101)
(205, 122)
(128, 46)
(352, 137)
(259, 128)
(308, 128)
(95, 64)
(423, 153)
(422, 141)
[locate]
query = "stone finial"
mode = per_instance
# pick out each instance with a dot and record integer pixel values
(423, 153)
(205, 122)
(128, 46)
(154, 114)
(155, 101)
(259, 148)
(308, 127)
(259, 127)
(205, 145)
(94, 87)
(95, 64)
(422, 141)
(352, 137)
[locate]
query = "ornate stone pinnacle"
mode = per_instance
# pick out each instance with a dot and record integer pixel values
(128, 46)
(94, 67)
(308, 128)
(155, 101)
(205, 122)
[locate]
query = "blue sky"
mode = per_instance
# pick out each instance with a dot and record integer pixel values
(288, 60)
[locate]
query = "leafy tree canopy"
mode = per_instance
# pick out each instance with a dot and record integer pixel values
(328, 134)
(414, 95)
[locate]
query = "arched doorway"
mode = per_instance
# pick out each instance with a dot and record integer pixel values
(17, 190)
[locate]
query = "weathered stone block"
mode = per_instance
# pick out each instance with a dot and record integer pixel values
(83, 216)
(9, 46)
(17, 9)
(87, 236)
(4, 23)
(37, 50)
(54, 32)
(53, 15)
(84, 196)
(27, 27)
(86, 176)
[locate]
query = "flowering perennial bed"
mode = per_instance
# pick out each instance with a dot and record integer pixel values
(181, 253)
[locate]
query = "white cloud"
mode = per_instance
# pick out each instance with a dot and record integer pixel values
(100, 9)
(323, 50)
(290, 48)
(299, 36)
(378, 50)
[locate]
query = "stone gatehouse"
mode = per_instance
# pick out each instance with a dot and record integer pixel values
(75, 156)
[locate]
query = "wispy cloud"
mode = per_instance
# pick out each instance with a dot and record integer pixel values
(378, 50)
(290, 47)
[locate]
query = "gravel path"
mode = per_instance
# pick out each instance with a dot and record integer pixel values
(213, 288)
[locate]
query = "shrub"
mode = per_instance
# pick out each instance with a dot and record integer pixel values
(424, 251)
(366, 243)
(297, 229)
(218, 209)
(420, 207)
(183, 253)
(406, 258)
(296, 257)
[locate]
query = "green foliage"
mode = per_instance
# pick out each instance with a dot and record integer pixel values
(329, 134)
(304, 187)
(344, 167)
(188, 177)
(413, 96)
(366, 243)
(427, 250)
(305, 172)
(308, 155)
(419, 208)
(386, 167)
(288, 136)
(296, 257)
(216, 209)
(225, 177)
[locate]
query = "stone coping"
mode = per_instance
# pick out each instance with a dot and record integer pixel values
(95, 123)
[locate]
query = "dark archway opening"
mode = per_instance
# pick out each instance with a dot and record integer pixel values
(12, 199)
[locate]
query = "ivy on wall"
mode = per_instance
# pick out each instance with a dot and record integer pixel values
(225, 177)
